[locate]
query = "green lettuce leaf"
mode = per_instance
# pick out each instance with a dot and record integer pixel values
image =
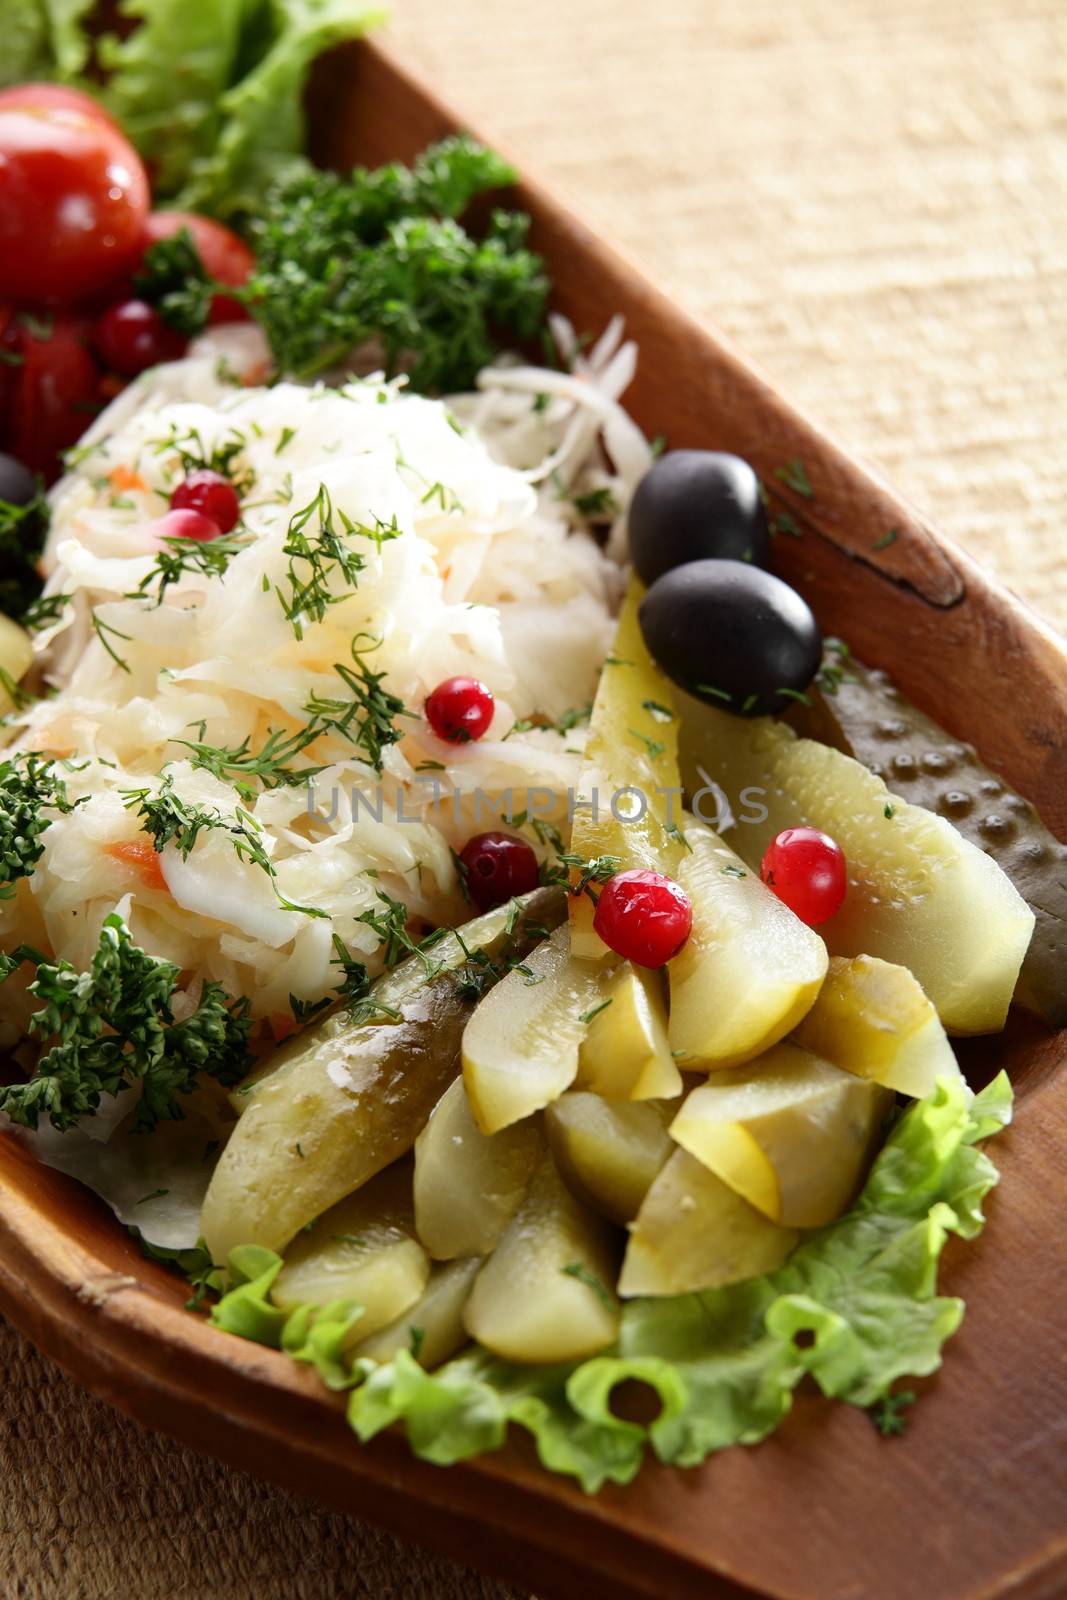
(211, 94)
(855, 1308)
(860, 1294)
(27, 48)
(315, 1335)
(70, 41)
(261, 134)
(167, 78)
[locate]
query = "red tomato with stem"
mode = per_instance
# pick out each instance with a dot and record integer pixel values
(73, 201)
(225, 256)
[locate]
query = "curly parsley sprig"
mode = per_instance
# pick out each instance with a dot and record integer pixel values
(113, 1026)
(379, 255)
(29, 789)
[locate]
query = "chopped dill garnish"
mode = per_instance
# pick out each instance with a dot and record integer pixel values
(594, 1011)
(168, 819)
(794, 475)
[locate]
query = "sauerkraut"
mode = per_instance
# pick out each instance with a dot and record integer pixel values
(387, 541)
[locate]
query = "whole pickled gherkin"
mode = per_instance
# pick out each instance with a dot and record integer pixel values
(343, 1099)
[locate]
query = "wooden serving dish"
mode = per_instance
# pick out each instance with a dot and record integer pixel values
(972, 1503)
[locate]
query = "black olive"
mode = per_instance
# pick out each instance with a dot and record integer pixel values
(17, 483)
(694, 505)
(732, 635)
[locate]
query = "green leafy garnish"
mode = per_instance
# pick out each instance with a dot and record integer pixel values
(211, 94)
(381, 255)
(194, 1263)
(368, 719)
(209, 557)
(311, 1334)
(168, 819)
(29, 788)
(855, 1309)
(113, 1026)
(795, 476)
(576, 1269)
(173, 278)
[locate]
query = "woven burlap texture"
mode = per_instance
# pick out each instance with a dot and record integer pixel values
(869, 196)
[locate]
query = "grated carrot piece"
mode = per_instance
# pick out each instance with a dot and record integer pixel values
(122, 478)
(144, 858)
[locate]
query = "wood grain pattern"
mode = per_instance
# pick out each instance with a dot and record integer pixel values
(971, 1503)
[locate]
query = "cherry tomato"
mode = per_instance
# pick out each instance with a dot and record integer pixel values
(131, 337)
(225, 256)
(55, 96)
(51, 387)
(644, 917)
(73, 200)
(807, 871)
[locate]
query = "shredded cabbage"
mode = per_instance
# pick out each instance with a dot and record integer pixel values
(388, 541)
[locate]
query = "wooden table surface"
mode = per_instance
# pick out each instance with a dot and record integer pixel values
(867, 195)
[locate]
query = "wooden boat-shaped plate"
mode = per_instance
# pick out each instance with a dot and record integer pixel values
(972, 1503)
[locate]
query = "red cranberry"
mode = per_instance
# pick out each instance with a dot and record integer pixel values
(460, 710)
(132, 336)
(211, 494)
(644, 917)
(187, 525)
(806, 870)
(497, 866)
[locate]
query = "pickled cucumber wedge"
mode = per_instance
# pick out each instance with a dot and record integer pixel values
(790, 1133)
(545, 1294)
(468, 1184)
(16, 653)
(632, 746)
(363, 1249)
(609, 1151)
(863, 714)
(694, 1232)
(872, 1018)
(750, 969)
(432, 1329)
(520, 1048)
(626, 1054)
(919, 894)
(343, 1100)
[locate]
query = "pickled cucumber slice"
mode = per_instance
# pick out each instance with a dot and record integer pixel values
(919, 895)
(750, 969)
(609, 1151)
(344, 1100)
(626, 1054)
(867, 717)
(432, 1329)
(364, 1250)
(468, 1184)
(546, 1294)
(872, 1019)
(632, 747)
(790, 1133)
(695, 1232)
(520, 1048)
